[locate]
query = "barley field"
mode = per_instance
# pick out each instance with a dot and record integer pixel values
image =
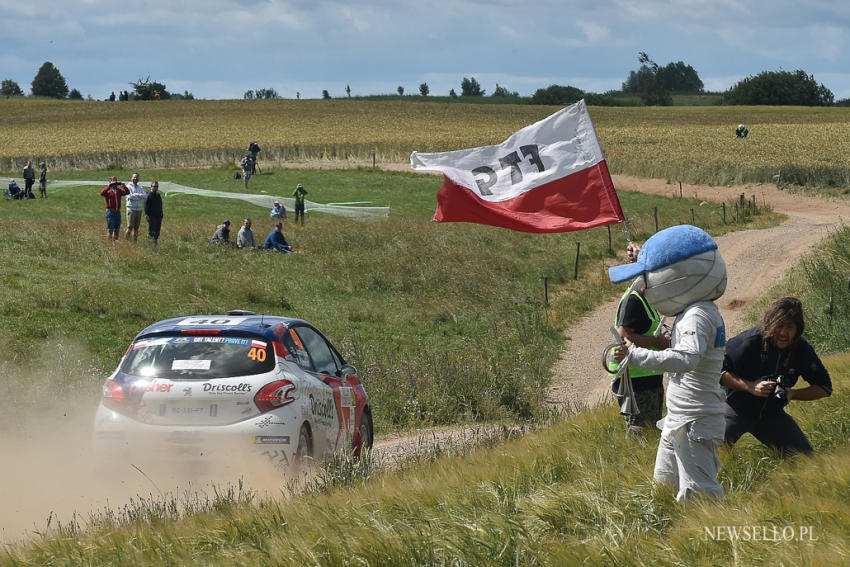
(797, 145)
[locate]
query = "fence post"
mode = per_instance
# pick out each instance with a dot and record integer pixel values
(655, 213)
(680, 189)
(723, 205)
(374, 159)
(693, 219)
(546, 289)
(610, 246)
(736, 212)
(578, 251)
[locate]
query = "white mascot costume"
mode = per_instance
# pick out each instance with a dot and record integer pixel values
(684, 272)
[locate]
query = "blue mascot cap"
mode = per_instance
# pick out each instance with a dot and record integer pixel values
(663, 248)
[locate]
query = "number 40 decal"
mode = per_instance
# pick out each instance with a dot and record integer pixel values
(258, 354)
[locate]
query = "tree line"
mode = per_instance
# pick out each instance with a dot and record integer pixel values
(652, 84)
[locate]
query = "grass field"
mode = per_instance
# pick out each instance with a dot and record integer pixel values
(797, 145)
(446, 322)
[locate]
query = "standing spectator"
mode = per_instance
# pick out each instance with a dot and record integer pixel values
(278, 211)
(247, 169)
(29, 181)
(277, 241)
(299, 202)
(42, 180)
(112, 96)
(245, 238)
(153, 212)
(253, 151)
(156, 95)
(113, 193)
(135, 207)
(221, 237)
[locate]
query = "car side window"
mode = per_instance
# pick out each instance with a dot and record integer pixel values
(323, 359)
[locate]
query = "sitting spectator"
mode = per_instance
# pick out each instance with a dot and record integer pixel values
(222, 235)
(278, 212)
(14, 190)
(245, 238)
(277, 241)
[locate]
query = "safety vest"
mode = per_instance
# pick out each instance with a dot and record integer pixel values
(655, 321)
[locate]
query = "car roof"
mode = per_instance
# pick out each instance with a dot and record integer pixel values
(233, 322)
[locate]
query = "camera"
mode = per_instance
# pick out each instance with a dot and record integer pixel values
(780, 391)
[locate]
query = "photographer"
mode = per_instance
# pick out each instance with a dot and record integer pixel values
(761, 367)
(112, 193)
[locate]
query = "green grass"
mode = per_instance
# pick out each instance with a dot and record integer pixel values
(445, 322)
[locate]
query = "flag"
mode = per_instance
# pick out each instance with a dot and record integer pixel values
(550, 176)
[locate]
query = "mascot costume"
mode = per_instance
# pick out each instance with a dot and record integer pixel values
(683, 273)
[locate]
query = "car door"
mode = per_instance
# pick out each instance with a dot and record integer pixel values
(324, 405)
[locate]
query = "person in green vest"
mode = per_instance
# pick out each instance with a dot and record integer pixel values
(299, 202)
(638, 321)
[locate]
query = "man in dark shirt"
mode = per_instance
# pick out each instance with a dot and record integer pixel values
(153, 212)
(761, 367)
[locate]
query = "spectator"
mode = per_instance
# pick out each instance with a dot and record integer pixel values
(221, 237)
(277, 241)
(299, 202)
(135, 207)
(247, 169)
(741, 131)
(112, 96)
(112, 193)
(253, 150)
(153, 212)
(15, 190)
(760, 369)
(245, 238)
(278, 211)
(42, 180)
(29, 180)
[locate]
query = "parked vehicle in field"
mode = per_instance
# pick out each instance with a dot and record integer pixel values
(218, 388)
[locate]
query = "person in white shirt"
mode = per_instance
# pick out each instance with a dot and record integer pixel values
(245, 238)
(135, 207)
(684, 273)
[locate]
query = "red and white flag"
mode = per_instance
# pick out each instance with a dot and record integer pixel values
(550, 176)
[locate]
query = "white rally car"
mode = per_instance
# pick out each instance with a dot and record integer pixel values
(218, 388)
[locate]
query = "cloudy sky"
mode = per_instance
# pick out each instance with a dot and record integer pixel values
(222, 48)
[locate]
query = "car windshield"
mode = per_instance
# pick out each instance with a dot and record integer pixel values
(198, 357)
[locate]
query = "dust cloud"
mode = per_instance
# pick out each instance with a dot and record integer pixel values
(51, 476)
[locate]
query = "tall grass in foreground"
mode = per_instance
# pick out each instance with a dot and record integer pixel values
(576, 493)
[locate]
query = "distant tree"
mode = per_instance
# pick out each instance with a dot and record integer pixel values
(423, 89)
(678, 77)
(348, 90)
(268, 93)
(647, 83)
(75, 95)
(779, 88)
(10, 88)
(144, 89)
(326, 95)
(49, 82)
(470, 87)
(557, 95)
(452, 93)
(249, 95)
(400, 90)
(504, 92)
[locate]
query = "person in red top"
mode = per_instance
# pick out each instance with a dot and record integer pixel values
(113, 193)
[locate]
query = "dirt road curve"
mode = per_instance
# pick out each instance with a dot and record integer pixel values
(755, 261)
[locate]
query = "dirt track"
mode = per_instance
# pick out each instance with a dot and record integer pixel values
(755, 261)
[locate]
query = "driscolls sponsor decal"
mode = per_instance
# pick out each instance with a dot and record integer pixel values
(323, 407)
(242, 387)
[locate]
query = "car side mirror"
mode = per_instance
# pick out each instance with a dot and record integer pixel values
(346, 371)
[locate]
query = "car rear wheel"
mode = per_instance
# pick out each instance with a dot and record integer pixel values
(365, 433)
(304, 452)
